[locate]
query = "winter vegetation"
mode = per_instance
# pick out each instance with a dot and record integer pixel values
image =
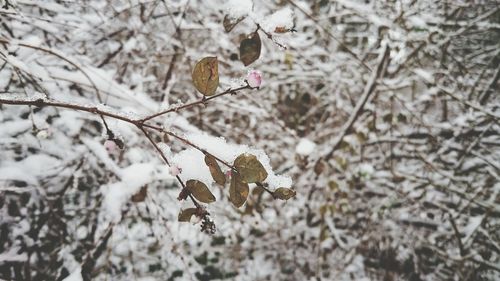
(250, 140)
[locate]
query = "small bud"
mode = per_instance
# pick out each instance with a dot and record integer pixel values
(110, 146)
(175, 170)
(228, 174)
(254, 78)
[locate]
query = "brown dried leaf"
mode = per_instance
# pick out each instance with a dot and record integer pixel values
(249, 168)
(250, 49)
(238, 191)
(206, 75)
(215, 170)
(281, 29)
(230, 22)
(141, 195)
(284, 193)
(200, 191)
(319, 167)
(186, 214)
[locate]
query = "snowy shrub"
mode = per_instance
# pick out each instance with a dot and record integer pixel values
(128, 126)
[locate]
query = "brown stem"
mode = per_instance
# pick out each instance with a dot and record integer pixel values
(270, 36)
(201, 101)
(138, 123)
(141, 127)
(329, 33)
(259, 184)
(51, 52)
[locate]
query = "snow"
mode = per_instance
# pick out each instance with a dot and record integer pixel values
(383, 178)
(76, 275)
(238, 8)
(282, 18)
(12, 256)
(117, 194)
(424, 74)
(305, 147)
(366, 170)
(472, 226)
(98, 149)
(191, 161)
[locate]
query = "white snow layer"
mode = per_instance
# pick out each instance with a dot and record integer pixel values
(76, 275)
(191, 161)
(239, 8)
(117, 194)
(282, 18)
(305, 147)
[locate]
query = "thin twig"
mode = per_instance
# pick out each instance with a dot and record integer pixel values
(457, 235)
(368, 91)
(201, 101)
(331, 35)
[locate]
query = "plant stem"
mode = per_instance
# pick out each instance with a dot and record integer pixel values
(201, 101)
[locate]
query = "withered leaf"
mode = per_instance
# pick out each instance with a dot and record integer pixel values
(186, 214)
(284, 193)
(333, 185)
(249, 168)
(230, 22)
(319, 167)
(141, 195)
(206, 75)
(238, 191)
(215, 170)
(200, 191)
(281, 29)
(250, 49)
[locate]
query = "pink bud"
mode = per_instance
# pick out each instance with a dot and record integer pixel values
(228, 174)
(254, 78)
(110, 146)
(174, 170)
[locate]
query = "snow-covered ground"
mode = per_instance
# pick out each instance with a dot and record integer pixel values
(379, 122)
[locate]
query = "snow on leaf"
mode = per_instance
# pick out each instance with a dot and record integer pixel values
(238, 8)
(281, 19)
(229, 22)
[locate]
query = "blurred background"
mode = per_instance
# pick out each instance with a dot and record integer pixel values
(385, 114)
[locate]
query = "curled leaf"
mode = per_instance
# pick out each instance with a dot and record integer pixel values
(238, 191)
(281, 29)
(200, 191)
(206, 75)
(186, 214)
(230, 22)
(284, 193)
(215, 170)
(249, 168)
(250, 49)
